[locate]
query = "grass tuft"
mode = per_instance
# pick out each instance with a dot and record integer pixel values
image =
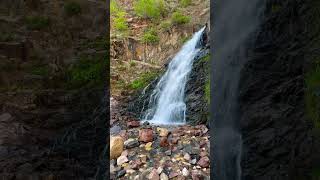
(178, 18)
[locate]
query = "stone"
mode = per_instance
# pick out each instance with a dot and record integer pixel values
(148, 146)
(121, 173)
(168, 153)
(116, 146)
(5, 117)
(159, 170)
(195, 150)
(124, 153)
(115, 130)
(113, 169)
(133, 124)
(173, 174)
(187, 157)
(131, 143)
(146, 123)
(185, 172)
(143, 158)
(154, 175)
(163, 176)
(203, 153)
(121, 160)
(204, 162)
(175, 140)
(164, 142)
(163, 132)
(146, 135)
(193, 161)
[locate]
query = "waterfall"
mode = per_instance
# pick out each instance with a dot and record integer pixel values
(166, 103)
(234, 25)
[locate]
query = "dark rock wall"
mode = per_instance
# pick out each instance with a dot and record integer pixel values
(277, 143)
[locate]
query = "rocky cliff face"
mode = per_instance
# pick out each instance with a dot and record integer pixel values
(277, 139)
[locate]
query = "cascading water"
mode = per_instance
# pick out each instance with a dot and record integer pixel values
(166, 103)
(234, 24)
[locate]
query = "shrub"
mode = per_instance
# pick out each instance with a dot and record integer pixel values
(178, 18)
(165, 25)
(143, 80)
(87, 72)
(150, 36)
(114, 7)
(72, 8)
(185, 3)
(312, 95)
(37, 22)
(120, 22)
(151, 9)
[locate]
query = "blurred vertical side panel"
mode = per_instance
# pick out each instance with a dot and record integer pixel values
(54, 100)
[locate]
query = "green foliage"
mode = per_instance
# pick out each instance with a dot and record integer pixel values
(143, 80)
(312, 95)
(185, 3)
(184, 39)
(72, 8)
(114, 7)
(165, 25)
(40, 70)
(87, 72)
(275, 8)
(152, 9)
(207, 91)
(150, 36)
(132, 63)
(120, 22)
(37, 22)
(178, 18)
(5, 37)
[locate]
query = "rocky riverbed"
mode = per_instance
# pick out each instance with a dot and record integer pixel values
(144, 151)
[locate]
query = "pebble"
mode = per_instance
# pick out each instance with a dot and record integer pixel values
(154, 175)
(168, 153)
(193, 161)
(187, 157)
(185, 172)
(146, 135)
(164, 142)
(148, 146)
(204, 162)
(121, 173)
(131, 143)
(121, 160)
(163, 132)
(159, 170)
(132, 124)
(163, 176)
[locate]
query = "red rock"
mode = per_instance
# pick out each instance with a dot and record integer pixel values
(203, 153)
(164, 142)
(204, 162)
(154, 175)
(173, 174)
(175, 140)
(146, 135)
(132, 124)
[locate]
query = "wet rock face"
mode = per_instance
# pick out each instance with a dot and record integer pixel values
(276, 136)
(197, 106)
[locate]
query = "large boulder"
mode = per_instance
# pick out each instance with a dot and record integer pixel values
(116, 146)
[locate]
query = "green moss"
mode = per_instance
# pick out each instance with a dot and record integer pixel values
(5, 37)
(185, 3)
(275, 8)
(207, 91)
(178, 18)
(184, 39)
(133, 64)
(143, 80)
(72, 8)
(150, 36)
(152, 9)
(37, 22)
(312, 95)
(87, 72)
(40, 70)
